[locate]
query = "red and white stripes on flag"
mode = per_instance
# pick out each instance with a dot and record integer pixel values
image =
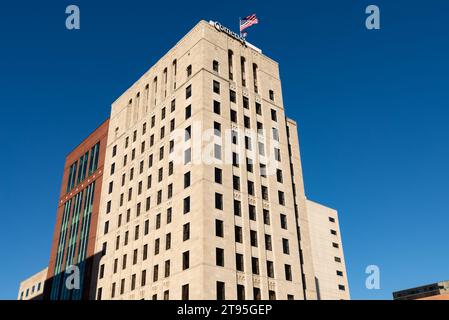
(248, 22)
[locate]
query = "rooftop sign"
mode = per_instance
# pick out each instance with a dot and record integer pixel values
(229, 32)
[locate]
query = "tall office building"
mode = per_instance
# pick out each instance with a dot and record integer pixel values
(207, 200)
(76, 221)
(202, 193)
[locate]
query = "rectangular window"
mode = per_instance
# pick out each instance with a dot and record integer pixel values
(237, 208)
(217, 107)
(285, 246)
(239, 262)
(240, 292)
(189, 91)
(216, 87)
(268, 244)
(220, 290)
(155, 273)
(288, 272)
(218, 201)
(219, 257)
(186, 232)
(283, 221)
(167, 269)
(187, 205)
(219, 228)
(232, 96)
(215, 65)
(185, 292)
(253, 236)
(218, 175)
(185, 260)
(238, 234)
(270, 269)
(255, 265)
(186, 179)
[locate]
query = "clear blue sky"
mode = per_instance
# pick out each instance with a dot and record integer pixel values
(372, 108)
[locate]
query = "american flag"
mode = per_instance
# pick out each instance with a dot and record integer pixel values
(248, 22)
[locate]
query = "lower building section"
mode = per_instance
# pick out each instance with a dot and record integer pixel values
(33, 287)
(434, 291)
(331, 280)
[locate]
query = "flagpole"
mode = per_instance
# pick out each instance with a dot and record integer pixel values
(240, 24)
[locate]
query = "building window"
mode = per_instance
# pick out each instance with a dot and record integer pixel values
(339, 273)
(237, 208)
(245, 103)
(167, 269)
(218, 201)
(187, 205)
(335, 245)
(216, 107)
(337, 259)
(242, 67)
(285, 246)
(189, 70)
(218, 175)
(187, 156)
(232, 96)
(219, 257)
(255, 265)
(251, 188)
(341, 287)
(270, 269)
(256, 88)
(185, 292)
(283, 221)
(188, 91)
(253, 236)
(247, 122)
(281, 198)
(166, 295)
(240, 292)
(186, 232)
(217, 151)
(155, 273)
(216, 87)
(215, 65)
(256, 294)
(271, 295)
(239, 263)
(156, 246)
(238, 234)
(168, 241)
(122, 286)
(268, 243)
(186, 179)
(220, 290)
(252, 212)
(331, 219)
(266, 217)
(219, 228)
(185, 260)
(217, 129)
(271, 95)
(236, 183)
(143, 279)
(230, 65)
(234, 116)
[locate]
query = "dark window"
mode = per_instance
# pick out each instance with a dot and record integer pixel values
(234, 116)
(256, 293)
(268, 244)
(283, 221)
(216, 87)
(237, 208)
(186, 232)
(253, 236)
(266, 217)
(239, 263)
(219, 228)
(219, 257)
(285, 246)
(185, 292)
(252, 212)
(187, 205)
(238, 234)
(186, 179)
(218, 175)
(240, 292)
(185, 260)
(232, 96)
(189, 70)
(255, 265)
(271, 95)
(245, 103)
(215, 65)
(270, 269)
(188, 112)
(271, 295)
(217, 107)
(236, 182)
(220, 290)
(218, 201)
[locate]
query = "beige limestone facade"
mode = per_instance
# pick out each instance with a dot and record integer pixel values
(202, 194)
(33, 287)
